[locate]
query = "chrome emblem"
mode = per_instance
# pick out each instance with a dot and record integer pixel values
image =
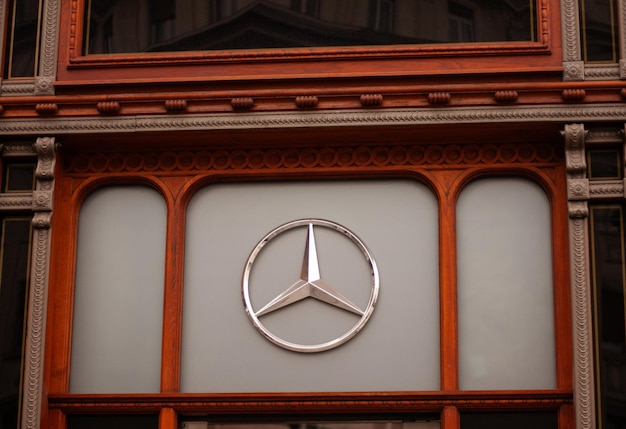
(310, 285)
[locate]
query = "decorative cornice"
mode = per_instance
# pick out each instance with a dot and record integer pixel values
(334, 118)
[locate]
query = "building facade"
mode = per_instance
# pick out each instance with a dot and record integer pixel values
(453, 171)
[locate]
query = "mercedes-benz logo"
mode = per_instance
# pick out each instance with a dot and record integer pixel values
(310, 285)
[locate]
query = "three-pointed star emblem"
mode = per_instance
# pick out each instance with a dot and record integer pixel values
(310, 284)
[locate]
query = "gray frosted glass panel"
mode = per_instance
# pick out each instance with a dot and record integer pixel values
(505, 294)
(118, 298)
(398, 349)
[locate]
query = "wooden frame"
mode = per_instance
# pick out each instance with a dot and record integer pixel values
(177, 174)
(544, 54)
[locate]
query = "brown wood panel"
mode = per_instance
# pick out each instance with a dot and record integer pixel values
(445, 167)
(319, 63)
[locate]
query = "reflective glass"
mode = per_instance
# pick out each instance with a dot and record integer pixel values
(19, 177)
(103, 421)
(14, 257)
(22, 48)
(604, 164)
(598, 20)
(511, 420)
(609, 279)
(192, 25)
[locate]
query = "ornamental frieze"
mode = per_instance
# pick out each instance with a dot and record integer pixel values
(311, 158)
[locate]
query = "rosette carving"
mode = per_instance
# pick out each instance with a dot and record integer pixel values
(574, 71)
(578, 189)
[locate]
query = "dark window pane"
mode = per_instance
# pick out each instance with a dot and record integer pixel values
(534, 420)
(604, 164)
(599, 30)
(607, 230)
(22, 38)
(188, 25)
(130, 421)
(19, 177)
(14, 255)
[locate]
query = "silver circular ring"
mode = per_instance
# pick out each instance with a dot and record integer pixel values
(318, 284)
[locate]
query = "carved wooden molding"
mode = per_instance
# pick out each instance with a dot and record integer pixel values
(321, 118)
(578, 194)
(336, 52)
(301, 403)
(316, 157)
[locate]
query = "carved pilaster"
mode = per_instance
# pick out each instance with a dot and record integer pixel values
(570, 28)
(578, 196)
(38, 292)
(621, 20)
(48, 52)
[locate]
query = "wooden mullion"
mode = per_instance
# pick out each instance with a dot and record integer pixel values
(450, 418)
(561, 276)
(167, 419)
(449, 349)
(172, 301)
